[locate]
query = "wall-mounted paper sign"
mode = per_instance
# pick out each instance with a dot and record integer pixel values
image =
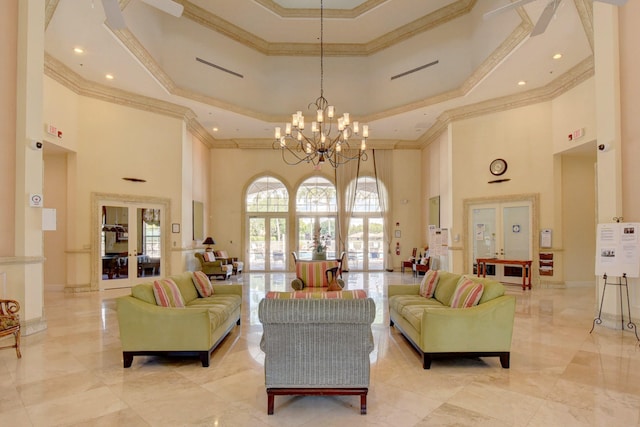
(545, 238)
(48, 219)
(35, 200)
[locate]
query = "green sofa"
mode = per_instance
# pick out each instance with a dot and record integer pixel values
(149, 329)
(437, 330)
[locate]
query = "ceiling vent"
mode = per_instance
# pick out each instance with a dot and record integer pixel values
(211, 64)
(422, 67)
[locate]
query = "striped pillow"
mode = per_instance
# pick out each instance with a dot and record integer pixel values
(209, 257)
(429, 283)
(202, 283)
(167, 293)
(467, 293)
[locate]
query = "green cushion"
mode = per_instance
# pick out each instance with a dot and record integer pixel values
(447, 283)
(185, 284)
(144, 292)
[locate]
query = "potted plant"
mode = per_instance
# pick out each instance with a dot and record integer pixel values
(319, 246)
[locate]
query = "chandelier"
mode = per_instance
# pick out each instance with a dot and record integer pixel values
(330, 136)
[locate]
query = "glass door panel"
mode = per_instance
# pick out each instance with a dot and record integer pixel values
(306, 228)
(257, 246)
(277, 244)
(355, 244)
(328, 231)
(375, 243)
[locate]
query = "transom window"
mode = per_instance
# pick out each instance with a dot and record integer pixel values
(316, 194)
(366, 195)
(267, 194)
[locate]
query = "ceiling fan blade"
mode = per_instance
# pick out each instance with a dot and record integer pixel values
(545, 18)
(506, 7)
(112, 11)
(167, 6)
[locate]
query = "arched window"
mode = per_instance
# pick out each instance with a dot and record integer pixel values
(267, 194)
(366, 195)
(316, 211)
(267, 202)
(316, 194)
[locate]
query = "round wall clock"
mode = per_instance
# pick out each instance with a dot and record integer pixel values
(498, 167)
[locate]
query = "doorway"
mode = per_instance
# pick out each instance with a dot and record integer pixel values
(366, 243)
(502, 229)
(131, 241)
(267, 243)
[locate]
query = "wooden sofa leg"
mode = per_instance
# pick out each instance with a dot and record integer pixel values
(127, 359)
(505, 360)
(204, 358)
(238, 322)
(363, 404)
(426, 361)
(270, 399)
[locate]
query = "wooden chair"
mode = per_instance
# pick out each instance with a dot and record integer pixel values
(10, 322)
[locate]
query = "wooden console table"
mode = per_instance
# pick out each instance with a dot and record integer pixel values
(526, 268)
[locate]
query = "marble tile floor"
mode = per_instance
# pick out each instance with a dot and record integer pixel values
(560, 375)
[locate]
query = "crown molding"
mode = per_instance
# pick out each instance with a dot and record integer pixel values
(59, 72)
(578, 74)
(585, 12)
(428, 22)
(49, 9)
(286, 12)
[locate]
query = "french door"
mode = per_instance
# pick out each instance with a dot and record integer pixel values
(366, 243)
(130, 243)
(267, 243)
(503, 231)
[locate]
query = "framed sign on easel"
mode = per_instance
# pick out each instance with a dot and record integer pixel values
(618, 257)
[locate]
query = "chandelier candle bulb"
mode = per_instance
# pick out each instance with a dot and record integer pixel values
(320, 116)
(340, 124)
(365, 131)
(295, 120)
(278, 132)
(330, 111)
(363, 146)
(346, 119)
(345, 134)
(288, 129)
(301, 122)
(314, 127)
(356, 127)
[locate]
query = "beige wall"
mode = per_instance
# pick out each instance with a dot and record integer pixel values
(232, 170)
(55, 242)
(630, 109)
(8, 53)
(108, 142)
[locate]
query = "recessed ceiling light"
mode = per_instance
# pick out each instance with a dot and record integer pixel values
(109, 77)
(78, 50)
(215, 129)
(522, 83)
(557, 56)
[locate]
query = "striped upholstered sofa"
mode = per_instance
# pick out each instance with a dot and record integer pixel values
(315, 275)
(317, 343)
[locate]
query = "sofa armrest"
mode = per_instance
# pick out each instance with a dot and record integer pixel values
(402, 290)
(485, 327)
(145, 326)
